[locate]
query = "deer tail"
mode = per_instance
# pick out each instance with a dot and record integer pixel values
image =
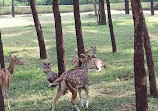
(59, 79)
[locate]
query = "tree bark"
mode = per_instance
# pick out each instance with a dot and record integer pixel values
(95, 8)
(111, 27)
(43, 54)
(152, 7)
(1, 53)
(80, 44)
(102, 16)
(2, 66)
(139, 70)
(126, 6)
(59, 38)
(13, 11)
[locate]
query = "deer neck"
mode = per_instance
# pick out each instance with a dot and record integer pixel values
(85, 67)
(11, 67)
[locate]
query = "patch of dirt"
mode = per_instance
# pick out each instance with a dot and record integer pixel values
(131, 107)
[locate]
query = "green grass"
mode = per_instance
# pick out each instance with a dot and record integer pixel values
(112, 89)
(67, 8)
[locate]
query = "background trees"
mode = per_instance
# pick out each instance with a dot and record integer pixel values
(101, 13)
(111, 27)
(59, 38)
(152, 7)
(43, 54)
(126, 6)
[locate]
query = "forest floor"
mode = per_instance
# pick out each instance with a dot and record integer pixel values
(112, 89)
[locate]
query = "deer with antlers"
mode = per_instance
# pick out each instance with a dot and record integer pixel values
(96, 63)
(74, 80)
(5, 76)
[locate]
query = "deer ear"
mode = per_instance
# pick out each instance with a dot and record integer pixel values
(42, 64)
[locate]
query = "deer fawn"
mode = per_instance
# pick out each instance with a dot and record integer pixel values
(74, 80)
(5, 76)
(95, 62)
(51, 76)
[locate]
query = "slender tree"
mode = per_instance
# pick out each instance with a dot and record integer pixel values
(80, 44)
(2, 66)
(150, 62)
(95, 7)
(111, 27)
(43, 54)
(1, 53)
(101, 14)
(139, 70)
(152, 7)
(126, 6)
(59, 38)
(13, 11)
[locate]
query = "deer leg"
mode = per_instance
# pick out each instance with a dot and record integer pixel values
(7, 94)
(74, 96)
(81, 99)
(87, 94)
(57, 97)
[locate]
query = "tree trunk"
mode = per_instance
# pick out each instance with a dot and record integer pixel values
(2, 66)
(95, 8)
(152, 7)
(1, 53)
(126, 6)
(13, 12)
(150, 63)
(102, 16)
(78, 28)
(43, 54)
(111, 27)
(139, 70)
(59, 38)
(3, 3)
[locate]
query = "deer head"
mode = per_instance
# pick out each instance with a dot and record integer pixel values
(94, 50)
(15, 61)
(46, 67)
(51, 76)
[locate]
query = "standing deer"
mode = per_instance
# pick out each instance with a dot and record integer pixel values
(5, 76)
(74, 80)
(51, 76)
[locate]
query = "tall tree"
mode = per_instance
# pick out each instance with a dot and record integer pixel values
(95, 7)
(152, 7)
(126, 6)
(59, 38)
(2, 66)
(13, 11)
(139, 70)
(80, 44)
(111, 26)
(43, 54)
(1, 53)
(101, 13)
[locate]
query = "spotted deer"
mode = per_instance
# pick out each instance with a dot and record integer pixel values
(74, 80)
(5, 76)
(75, 60)
(50, 75)
(96, 63)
